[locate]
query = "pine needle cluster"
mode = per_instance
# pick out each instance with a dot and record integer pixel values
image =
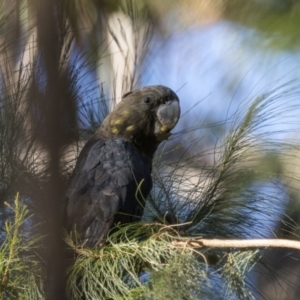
(235, 189)
(20, 269)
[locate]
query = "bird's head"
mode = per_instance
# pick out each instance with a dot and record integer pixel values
(145, 117)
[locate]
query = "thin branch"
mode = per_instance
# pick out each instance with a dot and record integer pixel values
(248, 243)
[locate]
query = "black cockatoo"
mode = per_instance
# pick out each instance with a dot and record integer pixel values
(112, 176)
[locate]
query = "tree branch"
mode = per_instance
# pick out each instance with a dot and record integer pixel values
(247, 243)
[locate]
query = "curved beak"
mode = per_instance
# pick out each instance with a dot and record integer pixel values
(168, 115)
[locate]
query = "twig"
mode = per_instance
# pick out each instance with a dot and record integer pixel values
(247, 243)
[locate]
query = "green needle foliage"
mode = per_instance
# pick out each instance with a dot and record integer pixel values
(20, 270)
(134, 252)
(237, 266)
(213, 199)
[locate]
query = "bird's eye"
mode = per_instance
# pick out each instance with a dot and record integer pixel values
(147, 100)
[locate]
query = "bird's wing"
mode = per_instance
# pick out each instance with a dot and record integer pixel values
(103, 184)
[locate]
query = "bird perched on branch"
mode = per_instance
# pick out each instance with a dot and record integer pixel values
(112, 176)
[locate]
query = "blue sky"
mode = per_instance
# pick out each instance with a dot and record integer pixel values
(222, 65)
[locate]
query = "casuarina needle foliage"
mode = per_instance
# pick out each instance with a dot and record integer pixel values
(59, 81)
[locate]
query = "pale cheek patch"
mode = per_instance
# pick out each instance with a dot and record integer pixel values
(125, 113)
(117, 122)
(130, 128)
(115, 130)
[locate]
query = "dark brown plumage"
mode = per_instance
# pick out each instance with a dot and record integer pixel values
(112, 176)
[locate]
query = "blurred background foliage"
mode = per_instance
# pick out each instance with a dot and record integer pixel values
(64, 65)
(278, 17)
